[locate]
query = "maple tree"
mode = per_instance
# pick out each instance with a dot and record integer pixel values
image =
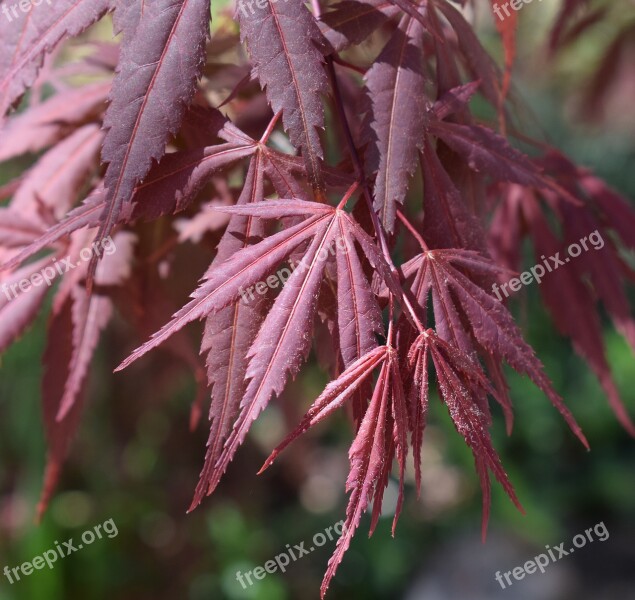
(148, 128)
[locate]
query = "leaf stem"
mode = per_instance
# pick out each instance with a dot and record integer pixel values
(348, 65)
(411, 228)
(265, 136)
(347, 196)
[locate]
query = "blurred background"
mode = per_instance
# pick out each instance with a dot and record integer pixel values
(136, 462)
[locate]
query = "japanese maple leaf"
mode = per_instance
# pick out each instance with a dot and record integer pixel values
(471, 319)
(396, 120)
(158, 73)
(284, 43)
(283, 340)
(30, 34)
(383, 431)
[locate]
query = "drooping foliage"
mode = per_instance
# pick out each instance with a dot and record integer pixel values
(371, 204)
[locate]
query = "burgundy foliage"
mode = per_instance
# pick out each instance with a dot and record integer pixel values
(389, 208)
